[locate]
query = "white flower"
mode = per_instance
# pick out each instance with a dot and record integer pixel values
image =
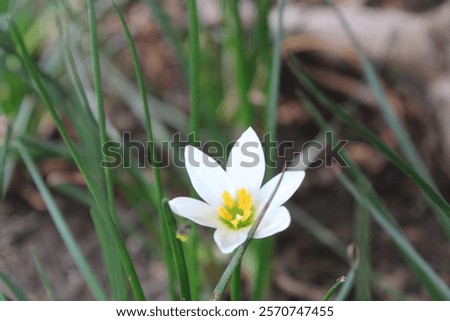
(233, 198)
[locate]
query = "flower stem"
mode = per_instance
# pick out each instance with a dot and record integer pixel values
(236, 283)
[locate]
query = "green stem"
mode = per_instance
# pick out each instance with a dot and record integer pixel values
(334, 288)
(3, 154)
(241, 63)
(178, 254)
(236, 283)
(265, 248)
(194, 124)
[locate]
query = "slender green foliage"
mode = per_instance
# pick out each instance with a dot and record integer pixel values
(437, 288)
(169, 32)
(194, 125)
(4, 146)
(265, 248)
(117, 277)
(93, 187)
(383, 217)
(375, 141)
(363, 239)
(405, 143)
(241, 61)
(334, 289)
(61, 225)
(16, 290)
(44, 278)
(170, 265)
(347, 286)
(177, 253)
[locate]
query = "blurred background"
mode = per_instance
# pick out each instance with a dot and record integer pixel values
(406, 40)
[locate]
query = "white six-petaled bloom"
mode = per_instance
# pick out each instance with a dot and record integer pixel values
(233, 198)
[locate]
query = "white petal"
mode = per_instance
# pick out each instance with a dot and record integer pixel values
(246, 164)
(195, 210)
(290, 183)
(274, 221)
(228, 240)
(207, 177)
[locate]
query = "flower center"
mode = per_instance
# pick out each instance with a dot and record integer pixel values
(237, 213)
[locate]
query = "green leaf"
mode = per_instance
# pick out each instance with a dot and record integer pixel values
(383, 217)
(116, 272)
(153, 152)
(432, 194)
(334, 289)
(61, 225)
(265, 248)
(4, 141)
(169, 32)
(177, 253)
(15, 289)
(44, 278)
(405, 143)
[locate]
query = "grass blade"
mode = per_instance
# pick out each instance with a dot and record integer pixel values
(19, 128)
(194, 125)
(93, 187)
(241, 69)
(44, 278)
(178, 253)
(100, 105)
(114, 268)
(424, 272)
(13, 287)
(116, 273)
(372, 79)
(169, 32)
(271, 115)
(320, 232)
(153, 153)
(334, 289)
(61, 225)
(5, 136)
(265, 248)
(437, 288)
(363, 238)
(406, 145)
(347, 285)
(432, 194)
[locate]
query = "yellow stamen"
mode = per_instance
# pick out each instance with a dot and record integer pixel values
(223, 212)
(238, 212)
(244, 199)
(227, 199)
